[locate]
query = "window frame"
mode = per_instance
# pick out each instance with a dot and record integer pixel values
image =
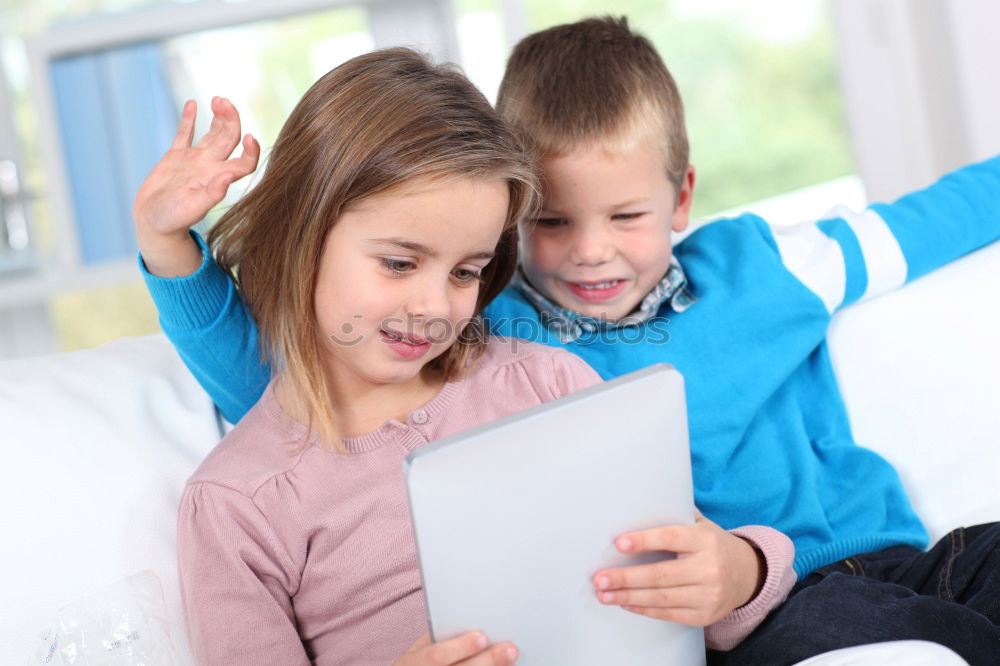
(428, 24)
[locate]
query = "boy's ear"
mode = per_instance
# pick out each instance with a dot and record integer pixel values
(682, 212)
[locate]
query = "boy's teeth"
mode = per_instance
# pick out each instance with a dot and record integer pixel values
(600, 285)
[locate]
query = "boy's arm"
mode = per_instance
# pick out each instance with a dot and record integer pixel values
(850, 257)
(210, 326)
(200, 309)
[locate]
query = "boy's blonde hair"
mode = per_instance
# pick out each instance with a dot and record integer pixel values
(594, 83)
(366, 128)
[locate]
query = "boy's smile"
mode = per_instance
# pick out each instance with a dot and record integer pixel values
(597, 292)
(602, 240)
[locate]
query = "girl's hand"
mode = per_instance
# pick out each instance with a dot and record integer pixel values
(471, 649)
(187, 183)
(714, 573)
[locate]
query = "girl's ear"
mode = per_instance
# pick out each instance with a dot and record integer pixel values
(682, 211)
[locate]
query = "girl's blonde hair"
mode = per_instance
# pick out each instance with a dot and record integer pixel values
(366, 128)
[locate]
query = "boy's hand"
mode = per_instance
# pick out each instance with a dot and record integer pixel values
(714, 572)
(187, 183)
(471, 649)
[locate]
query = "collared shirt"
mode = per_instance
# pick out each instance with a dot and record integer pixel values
(570, 325)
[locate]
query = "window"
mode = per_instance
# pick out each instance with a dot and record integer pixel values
(758, 79)
(105, 104)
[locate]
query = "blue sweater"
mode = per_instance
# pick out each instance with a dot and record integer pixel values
(770, 438)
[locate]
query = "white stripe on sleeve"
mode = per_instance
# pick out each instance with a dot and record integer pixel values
(815, 259)
(884, 261)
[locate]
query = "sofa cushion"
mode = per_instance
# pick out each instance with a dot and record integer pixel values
(919, 369)
(97, 445)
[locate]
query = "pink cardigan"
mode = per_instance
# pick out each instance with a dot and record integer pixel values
(307, 557)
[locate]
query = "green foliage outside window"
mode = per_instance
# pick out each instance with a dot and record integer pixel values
(764, 115)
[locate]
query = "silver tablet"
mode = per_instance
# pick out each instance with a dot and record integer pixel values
(513, 518)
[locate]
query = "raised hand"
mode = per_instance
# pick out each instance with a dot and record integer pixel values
(187, 183)
(714, 573)
(471, 649)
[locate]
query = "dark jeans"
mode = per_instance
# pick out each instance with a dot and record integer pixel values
(949, 595)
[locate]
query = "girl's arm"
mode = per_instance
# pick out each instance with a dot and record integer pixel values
(200, 310)
(778, 577)
(237, 580)
(725, 581)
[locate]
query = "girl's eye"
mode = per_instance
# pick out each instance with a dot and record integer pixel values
(466, 276)
(550, 222)
(398, 266)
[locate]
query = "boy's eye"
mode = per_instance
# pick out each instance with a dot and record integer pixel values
(398, 266)
(624, 217)
(466, 276)
(550, 222)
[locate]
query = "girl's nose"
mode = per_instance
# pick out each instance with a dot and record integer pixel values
(429, 300)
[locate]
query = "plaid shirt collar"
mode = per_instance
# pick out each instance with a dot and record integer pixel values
(570, 326)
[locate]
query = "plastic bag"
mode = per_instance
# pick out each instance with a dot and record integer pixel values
(123, 624)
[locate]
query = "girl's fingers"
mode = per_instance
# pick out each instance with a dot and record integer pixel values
(686, 616)
(466, 650)
(456, 650)
(421, 643)
(684, 596)
(185, 131)
(673, 538)
(501, 654)
(668, 573)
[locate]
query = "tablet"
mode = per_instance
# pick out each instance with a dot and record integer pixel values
(513, 518)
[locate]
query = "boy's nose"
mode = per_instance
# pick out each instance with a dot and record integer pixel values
(591, 247)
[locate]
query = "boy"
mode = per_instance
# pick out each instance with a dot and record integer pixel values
(741, 310)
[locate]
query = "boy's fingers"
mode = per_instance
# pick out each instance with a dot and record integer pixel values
(669, 573)
(185, 130)
(224, 133)
(247, 162)
(218, 187)
(214, 125)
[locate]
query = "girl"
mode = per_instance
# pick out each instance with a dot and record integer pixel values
(385, 221)
(383, 225)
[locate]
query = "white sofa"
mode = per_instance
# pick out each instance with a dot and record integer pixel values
(99, 444)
